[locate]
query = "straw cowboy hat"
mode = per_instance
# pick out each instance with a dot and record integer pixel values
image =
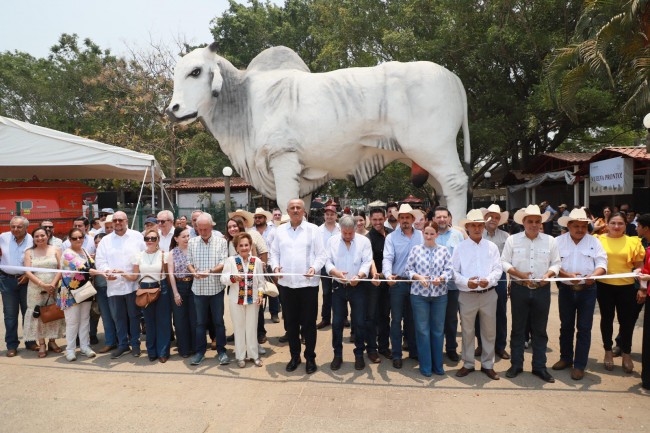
(575, 215)
(261, 211)
(406, 208)
(531, 210)
(494, 208)
(473, 216)
(285, 219)
(245, 215)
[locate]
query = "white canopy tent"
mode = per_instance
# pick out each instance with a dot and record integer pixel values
(28, 150)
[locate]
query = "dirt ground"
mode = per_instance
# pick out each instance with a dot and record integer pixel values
(135, 395)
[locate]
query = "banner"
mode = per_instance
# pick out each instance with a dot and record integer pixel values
(611, 176)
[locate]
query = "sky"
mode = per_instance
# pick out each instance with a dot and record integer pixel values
(33, 26)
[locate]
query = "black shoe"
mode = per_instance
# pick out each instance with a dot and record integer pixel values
(230, 338)
(261, 339)
(359, 363)
(346, 323)
(387, 353)
(336, 363)
(453, 356)
(397, 363)
(544, 375)
(293, 364)
(152, 358)
(284, 338)
(311, 366)
(323, 324)
(513, 371)
(94, 340)
(119, 352)
(136, 352)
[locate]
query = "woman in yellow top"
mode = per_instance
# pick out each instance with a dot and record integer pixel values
(624, 253)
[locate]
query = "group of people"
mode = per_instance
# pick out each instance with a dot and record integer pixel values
(404, 282)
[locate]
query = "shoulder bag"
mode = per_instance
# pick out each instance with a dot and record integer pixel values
(87, 290)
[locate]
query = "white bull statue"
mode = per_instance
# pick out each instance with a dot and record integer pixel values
(288, 131)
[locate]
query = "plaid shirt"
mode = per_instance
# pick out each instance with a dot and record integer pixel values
(204, 256)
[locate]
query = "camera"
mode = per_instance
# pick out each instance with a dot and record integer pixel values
(37, 312)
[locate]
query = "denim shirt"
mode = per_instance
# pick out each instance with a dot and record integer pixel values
(397, 249)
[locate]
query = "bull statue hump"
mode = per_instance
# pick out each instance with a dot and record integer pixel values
(288, 131)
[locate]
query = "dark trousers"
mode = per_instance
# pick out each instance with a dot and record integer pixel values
(451, 319)
(126, 316)
(383, 317)
(185, 319)
(576, 312)
(371, 303)
(158, 318)
(14, 300)
(533, 303)
(206, 304)
(622, 301)
(341, 295)
(400, 308)
(300, 309)
(645, 350)
(110, 333)
(326, 308)
(502, 317)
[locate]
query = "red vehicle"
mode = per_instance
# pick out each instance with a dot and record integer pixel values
(59, 201)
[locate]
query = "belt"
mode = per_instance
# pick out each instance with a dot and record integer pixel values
(401, 278)
(11, 275)
(576, 287)
(185, 279)
(532, 288)
(481, 291)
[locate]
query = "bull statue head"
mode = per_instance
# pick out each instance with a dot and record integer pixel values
(195, 73)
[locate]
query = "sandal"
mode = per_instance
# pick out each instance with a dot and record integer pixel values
(241, 363)
(54, 347)
(628, 365)
(42, 352)
(258, 362)
(609, 360)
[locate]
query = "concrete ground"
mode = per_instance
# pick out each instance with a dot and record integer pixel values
(135, 395)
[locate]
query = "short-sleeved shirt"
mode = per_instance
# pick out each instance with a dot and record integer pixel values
(622, 253)
(150, 265)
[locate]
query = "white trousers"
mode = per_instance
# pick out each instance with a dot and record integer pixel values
(485, 305)
(77, 322)
(244, 323)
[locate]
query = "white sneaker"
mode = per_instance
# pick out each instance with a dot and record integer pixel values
(261, 350)
(70, 356)
(88, 352)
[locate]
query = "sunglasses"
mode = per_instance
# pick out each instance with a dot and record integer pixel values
(162, 221)
(47, 227)
(76, 238)
(119, 220)
(150, 239)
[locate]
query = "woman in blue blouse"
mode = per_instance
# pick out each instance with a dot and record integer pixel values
(429, 265)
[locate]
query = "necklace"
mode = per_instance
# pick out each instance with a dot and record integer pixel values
(151, 257)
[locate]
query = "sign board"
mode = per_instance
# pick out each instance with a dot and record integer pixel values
(611, 177)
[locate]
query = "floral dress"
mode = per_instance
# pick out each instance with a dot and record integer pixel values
(34, 328)
(79, 265)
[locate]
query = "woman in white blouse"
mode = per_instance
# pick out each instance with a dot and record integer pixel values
(148, 269)
(241, 275)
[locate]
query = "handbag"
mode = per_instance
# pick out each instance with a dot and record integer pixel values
(270, 289)
(50, 313)
(84, 292)
(144, 297)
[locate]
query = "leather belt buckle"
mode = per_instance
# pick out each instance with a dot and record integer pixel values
(482, 291)
(578, 287)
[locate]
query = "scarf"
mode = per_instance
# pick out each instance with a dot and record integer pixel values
(246, 285)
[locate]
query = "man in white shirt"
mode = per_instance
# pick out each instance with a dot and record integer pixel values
(583, 256)
(329, 229)
(82, 224)
(264, 226)
(477, 269)
(530, 257)
(348, 259)
(298, 249)
(114, 257)
(165, 220)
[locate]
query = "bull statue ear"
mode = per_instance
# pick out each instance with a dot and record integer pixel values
(217, 81)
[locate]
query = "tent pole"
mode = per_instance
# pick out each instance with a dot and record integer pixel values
(153, 189)
(137, 204)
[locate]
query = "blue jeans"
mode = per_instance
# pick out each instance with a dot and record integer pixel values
(429, 319)
(185, 319)
(371, 301)
(14, 299)
(213, 304)
(576, 305)
(158, 318)
(110, 333)
(502, 317)
(400, 308)
(451, 318)
(126, 316)
(533, 304)
(341, 295)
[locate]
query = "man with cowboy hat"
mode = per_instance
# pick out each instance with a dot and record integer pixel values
(328, 229)
(396, 251)
(493, 219)
(477, 269)
(530, 257)
(583, 256)
(263, 225)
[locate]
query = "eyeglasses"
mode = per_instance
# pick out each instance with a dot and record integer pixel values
(76, 238)
(150, 239)
(119, 220)
(47, 227)
(162, 221)
(259, 216)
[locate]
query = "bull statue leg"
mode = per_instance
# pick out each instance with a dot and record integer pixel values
(286, 174)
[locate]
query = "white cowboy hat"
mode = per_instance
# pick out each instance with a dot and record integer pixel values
(261, 211)
(575, 215)
(285, 219)
(531, 210)
(406, 208)
(249, 221)
(494, 208)
(473, 216)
